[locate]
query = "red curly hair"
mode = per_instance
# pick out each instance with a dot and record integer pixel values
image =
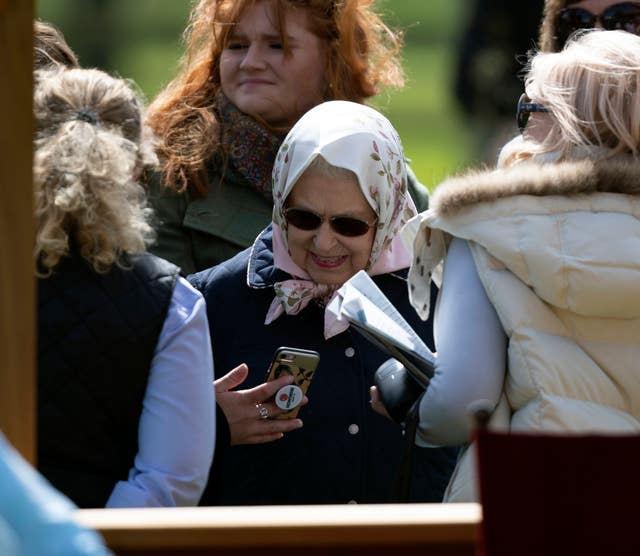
(363, 58)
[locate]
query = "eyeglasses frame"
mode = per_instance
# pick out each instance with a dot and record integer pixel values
(525, 108)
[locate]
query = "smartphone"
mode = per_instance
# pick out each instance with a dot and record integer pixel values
(299, 363)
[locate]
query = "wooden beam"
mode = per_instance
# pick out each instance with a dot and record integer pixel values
(434, 529)
(17, 284)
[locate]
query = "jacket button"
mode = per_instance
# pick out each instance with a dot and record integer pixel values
(354, 429)
(349, 352)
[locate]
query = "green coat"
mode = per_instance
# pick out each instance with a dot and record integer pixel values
(196, 234)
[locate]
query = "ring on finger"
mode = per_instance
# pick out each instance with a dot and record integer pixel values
(263, 411)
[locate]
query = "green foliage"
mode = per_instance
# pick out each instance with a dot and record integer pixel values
(141, 40)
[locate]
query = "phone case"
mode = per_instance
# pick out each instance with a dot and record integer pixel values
(301, 364)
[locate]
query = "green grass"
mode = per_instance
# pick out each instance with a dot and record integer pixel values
(425, 113)
(151, 64)
(426, 21)
(426, 116)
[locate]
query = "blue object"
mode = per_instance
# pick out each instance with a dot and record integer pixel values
(35, 519)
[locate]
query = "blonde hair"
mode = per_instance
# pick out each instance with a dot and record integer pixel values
(363, 57)
(90, 147)
(592, 91)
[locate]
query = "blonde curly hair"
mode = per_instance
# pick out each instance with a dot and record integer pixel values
(90, 150)
(363, 56)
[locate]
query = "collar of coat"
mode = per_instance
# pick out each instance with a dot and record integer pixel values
(261, 271)
(617, 175)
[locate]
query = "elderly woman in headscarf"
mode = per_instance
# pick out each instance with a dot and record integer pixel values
(340, 199)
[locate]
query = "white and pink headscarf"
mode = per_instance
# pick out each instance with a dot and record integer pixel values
(358, 138)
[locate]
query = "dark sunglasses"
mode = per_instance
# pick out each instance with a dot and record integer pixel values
(343, 225)
(624, 16)
(525, 109)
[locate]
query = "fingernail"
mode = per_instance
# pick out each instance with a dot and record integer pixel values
(299, 423)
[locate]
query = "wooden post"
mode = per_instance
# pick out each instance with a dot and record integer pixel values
(17, 284)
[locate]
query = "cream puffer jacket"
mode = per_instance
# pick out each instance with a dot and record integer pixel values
(557, 248)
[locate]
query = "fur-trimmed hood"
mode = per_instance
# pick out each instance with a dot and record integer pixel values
(547, 27)
(570, 231)
(617, 175)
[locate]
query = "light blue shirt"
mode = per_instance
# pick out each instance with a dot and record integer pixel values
(35, 519)
(472, 351)
(176, 433)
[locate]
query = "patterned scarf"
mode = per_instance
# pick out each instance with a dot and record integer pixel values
(355, 137)
(250, 147)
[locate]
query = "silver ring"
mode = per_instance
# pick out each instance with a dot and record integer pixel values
(263, 411)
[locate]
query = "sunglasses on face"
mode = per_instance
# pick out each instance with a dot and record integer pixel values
(525, 109)
(343, 225)
(624, 16)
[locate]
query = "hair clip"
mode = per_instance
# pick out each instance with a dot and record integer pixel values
(87, 115)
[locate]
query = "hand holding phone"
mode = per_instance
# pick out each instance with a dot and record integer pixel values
(241, 408)
(301, 364)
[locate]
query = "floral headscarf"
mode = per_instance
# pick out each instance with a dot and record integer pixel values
(358, 138)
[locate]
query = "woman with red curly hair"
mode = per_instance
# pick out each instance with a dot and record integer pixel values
(251, 69)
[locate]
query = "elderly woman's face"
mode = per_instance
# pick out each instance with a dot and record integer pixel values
(260, 79)
(327, 256)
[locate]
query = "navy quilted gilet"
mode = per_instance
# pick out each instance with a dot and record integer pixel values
(96, 339)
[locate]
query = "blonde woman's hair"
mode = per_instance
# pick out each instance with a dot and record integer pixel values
(592, 91)
(90, 150)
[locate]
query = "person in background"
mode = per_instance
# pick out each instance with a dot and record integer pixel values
(340, 198)
(251, 69)
(51, 50)
(35, 519)
(492, 46)
(564, 17)
(125, 401)
(543, 252)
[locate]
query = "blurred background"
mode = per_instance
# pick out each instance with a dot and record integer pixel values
(462, 59)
